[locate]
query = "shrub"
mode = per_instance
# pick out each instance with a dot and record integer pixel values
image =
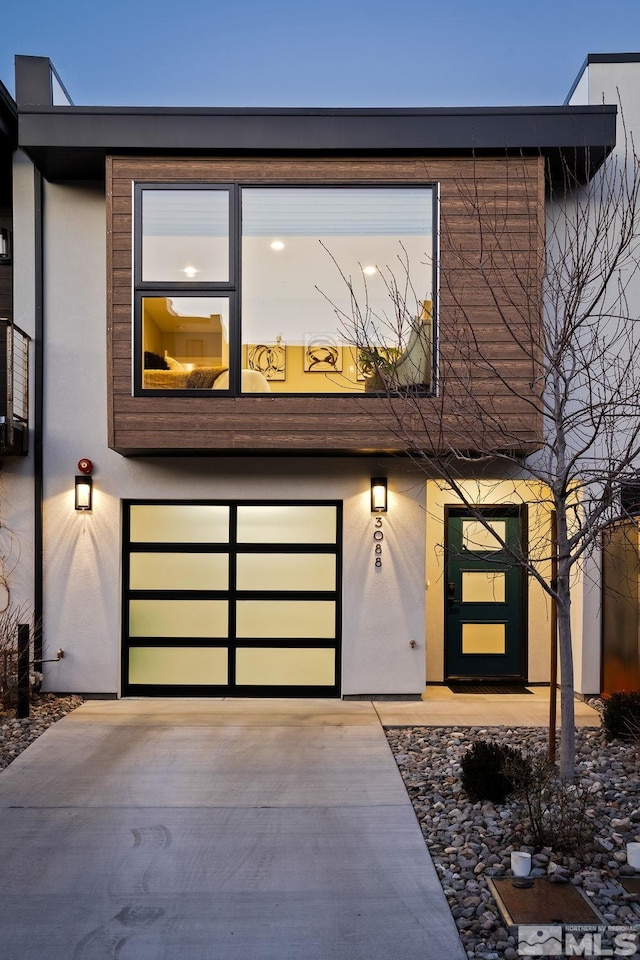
(621, 716)
(557, 810)
(484, 775)
(10, 618)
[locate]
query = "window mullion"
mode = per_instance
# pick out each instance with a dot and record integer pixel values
(235, 332)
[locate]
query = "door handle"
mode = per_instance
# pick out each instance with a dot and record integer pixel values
(451, 591)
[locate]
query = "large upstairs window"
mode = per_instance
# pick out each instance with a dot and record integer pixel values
(284, 289)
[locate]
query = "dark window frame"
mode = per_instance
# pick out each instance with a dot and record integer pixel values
(233, 287)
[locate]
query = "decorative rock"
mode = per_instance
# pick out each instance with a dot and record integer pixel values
(472, 901)
(471, 842)
(620, 823)
(18, 734)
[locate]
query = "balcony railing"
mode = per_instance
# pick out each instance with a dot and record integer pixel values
(14, 390)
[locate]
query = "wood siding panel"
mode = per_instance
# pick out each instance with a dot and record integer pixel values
(489, 311)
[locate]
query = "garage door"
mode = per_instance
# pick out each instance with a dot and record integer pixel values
(225, 598)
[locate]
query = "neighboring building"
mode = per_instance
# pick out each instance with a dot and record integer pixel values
(13, 342)
(613, 78)
(176, 269)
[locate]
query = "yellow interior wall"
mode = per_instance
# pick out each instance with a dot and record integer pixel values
(208, 354)
(209, 345)
(152, 335)
(297, 381)
(488, 493)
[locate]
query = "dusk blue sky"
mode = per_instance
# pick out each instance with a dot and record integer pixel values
(333, 53)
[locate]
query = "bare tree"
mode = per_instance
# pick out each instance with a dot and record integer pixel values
(566, 361)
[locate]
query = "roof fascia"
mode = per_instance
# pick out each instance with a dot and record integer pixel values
(8, 118)
(62, 139)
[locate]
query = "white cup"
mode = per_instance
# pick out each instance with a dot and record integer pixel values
(521, 863)
(633, 855)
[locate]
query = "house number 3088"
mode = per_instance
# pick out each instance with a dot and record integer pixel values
(378, 537)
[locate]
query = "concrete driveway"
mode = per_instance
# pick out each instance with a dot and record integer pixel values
(216, 830)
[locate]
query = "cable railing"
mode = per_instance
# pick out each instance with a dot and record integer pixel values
(14, 389)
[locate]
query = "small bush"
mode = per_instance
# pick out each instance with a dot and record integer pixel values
(557, 810)
(484, 775)
(10, 619)
(621, 716)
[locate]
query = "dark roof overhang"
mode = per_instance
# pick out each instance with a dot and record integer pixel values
(71, 142)
(8, 120)
(8, 143)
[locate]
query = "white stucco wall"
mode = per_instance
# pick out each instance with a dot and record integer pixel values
(619, 84)
(587, 633)
(580, 95)
(383, 609)
(16, 475)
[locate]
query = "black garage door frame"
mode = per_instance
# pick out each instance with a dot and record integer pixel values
(231, 595)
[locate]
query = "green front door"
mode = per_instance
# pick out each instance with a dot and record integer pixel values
(484, 596)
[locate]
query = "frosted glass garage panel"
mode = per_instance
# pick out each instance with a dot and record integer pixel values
(483, 586)
(179, 523)
(480, 638)
(286, 571)
(286, 619)
(478, 538)
(179, 571)
(279, 666)
(178, 665)
(287, 524)
(178, 618)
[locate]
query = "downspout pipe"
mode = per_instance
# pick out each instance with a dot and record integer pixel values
(38, 420)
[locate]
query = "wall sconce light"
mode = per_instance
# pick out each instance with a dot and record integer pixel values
(5, 245)
(84, 485)
(378, 495)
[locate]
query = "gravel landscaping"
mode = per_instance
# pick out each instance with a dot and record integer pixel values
(470, 842)
(16, 735)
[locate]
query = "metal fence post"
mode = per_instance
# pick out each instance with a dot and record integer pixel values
(23, 671)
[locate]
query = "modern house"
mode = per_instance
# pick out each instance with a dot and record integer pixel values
(214, 495)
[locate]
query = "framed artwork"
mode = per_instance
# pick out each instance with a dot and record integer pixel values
(269, 359)
(322, 353)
